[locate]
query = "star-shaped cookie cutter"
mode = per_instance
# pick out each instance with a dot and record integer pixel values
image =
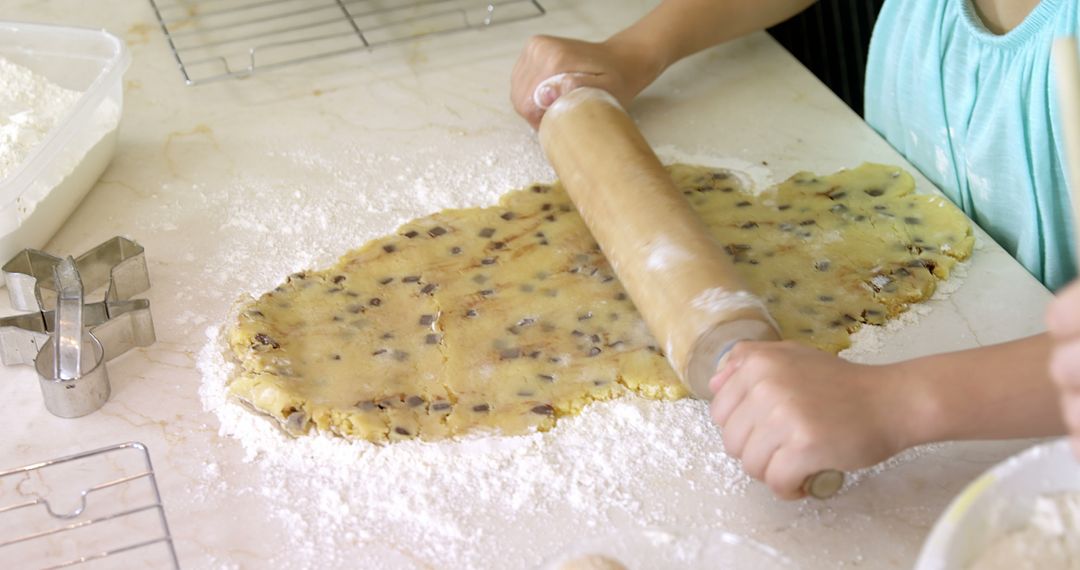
(53, 288)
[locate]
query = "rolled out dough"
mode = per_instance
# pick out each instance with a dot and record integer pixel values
(508, 317)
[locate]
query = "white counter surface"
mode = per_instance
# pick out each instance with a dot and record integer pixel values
(231, 186)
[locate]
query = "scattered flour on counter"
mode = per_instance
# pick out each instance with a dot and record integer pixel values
(30, 106)
(437, 498)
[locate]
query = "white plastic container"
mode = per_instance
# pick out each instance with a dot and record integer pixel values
(999, 501)
(46, 187)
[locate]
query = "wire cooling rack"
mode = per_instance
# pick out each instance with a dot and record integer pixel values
(218, 39)
(113, 509)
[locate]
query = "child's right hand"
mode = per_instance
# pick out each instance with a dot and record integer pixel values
(616, 66)
(1063, 320)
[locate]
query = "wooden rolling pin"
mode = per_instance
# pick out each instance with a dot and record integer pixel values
(680, 279)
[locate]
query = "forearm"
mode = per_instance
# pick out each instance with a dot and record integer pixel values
(993, 392)
(678, 28)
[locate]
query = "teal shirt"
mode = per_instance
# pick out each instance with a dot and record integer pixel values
(977, 114)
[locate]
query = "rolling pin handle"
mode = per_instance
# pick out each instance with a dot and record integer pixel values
(823, 484)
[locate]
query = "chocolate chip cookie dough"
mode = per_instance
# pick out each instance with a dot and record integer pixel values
(505, 318)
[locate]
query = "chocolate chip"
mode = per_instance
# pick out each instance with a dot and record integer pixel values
(386, 280)
(836, 195)
(498, 245)
(337, 318)
(585, 317)
(255, 313)
(401, 356)
(807, 223)
(576, 332)
(429, 288)
(411, 279)
(481, 408)
(595, 338)
(534, 354)
(825, 298)
(545, 208)
(426, 320)
(486, 232)
(538, 189)
(401, 431)
(375, 302)
(389, 248)
(378, 352)
(338, 278)
(546, 377)
(508, 216)
(432, 339)
(355, 309)
(620, 296)
(414, 401)
(822, 265)
(742, 204)
(264, 339)
(510, 353)
(436, 231)
(550, 217)
(440, 406)
(335, 357)
(749, 225)
(411, 234)
(455, 250)
(790, 283)
(387, 336)
(783, 207)
(488, 260)
(543, 410)
(860, 218)
(526, 322)
(875, 192)
(594, 351)
(470, 313)
(911, 220)
(487, 293)
(526, 393)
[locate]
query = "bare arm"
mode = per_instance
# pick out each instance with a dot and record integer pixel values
(993, 392)
(630, 60)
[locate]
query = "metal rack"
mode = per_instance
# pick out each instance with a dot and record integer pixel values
(37, 539)
(218, 39)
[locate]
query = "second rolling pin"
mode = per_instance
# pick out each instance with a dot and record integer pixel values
(678, 276)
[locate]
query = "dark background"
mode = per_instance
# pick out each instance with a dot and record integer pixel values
(831, 38)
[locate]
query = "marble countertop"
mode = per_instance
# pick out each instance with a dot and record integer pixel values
(337, 151)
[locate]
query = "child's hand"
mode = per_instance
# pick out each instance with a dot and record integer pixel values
(789, 411)
(613, 66)
(1063, 320)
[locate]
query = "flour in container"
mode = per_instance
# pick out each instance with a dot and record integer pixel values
(30, 106)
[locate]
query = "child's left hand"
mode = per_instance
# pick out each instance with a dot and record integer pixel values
(788, 411)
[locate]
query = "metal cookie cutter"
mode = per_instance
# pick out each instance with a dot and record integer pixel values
(69, 359)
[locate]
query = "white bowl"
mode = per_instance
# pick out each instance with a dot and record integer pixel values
(45, 188)
(999, 501)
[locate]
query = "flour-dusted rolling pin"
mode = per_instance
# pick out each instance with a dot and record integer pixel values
(679, 278)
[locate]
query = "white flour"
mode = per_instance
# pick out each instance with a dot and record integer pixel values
(1050, 539)
(30, 106)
